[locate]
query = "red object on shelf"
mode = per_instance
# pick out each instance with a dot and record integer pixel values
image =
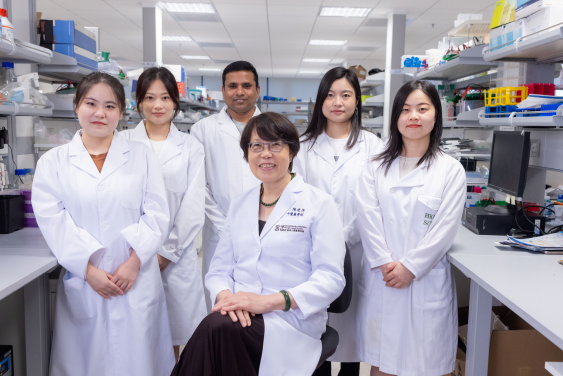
(542, 89)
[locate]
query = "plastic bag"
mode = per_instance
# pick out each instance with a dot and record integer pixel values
(63, 137)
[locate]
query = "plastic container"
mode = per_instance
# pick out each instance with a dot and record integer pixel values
(7, 28)
(7, 76)
(20, 176)
(505, 96)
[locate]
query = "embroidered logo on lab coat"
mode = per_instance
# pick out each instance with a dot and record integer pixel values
(296, 212)
(288, 228)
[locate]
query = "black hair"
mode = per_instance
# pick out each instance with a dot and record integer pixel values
(100, 78)
(395, 144)
(271, 126)
(319, 122)
(238, 66)
(158, 73)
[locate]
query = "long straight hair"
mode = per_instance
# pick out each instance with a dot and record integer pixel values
(395, 144)
(319, 122)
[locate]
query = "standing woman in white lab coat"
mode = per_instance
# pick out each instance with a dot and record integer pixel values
(277, 267)
(410, 200)
(334, 149)
(181, 161)
(100, 203)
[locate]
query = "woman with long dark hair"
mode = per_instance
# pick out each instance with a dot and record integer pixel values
(410, 200)
(181, 160)
(335, 148)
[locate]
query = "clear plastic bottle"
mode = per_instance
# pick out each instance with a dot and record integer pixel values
(7, 27)
(484, 193)
(8, 76)
(20, 178)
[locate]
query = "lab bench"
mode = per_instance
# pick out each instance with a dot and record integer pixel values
(25, 259)
(529, 284)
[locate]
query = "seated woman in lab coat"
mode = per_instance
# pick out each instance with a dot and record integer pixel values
(100, 203)
(277, 267)
(410, 200)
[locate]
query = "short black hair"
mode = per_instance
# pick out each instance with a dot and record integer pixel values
(238, 66)
(157, 73)
(271, 126)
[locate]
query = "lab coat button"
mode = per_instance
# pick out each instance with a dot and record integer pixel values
(392, 190)
(257, 283)
(108, 260)
(104, 224)
(171, 246)
(381, 315)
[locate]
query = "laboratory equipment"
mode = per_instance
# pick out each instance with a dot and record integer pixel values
(12, 217)
(6, 361)
(510, 157)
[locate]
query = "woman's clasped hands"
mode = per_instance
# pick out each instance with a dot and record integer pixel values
(396, 275)
(108, 285)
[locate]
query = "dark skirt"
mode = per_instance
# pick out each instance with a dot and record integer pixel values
(221, 347)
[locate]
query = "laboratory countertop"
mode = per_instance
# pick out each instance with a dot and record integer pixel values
(24, 256)
(530, 284)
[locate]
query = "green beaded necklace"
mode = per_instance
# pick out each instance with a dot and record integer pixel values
(262, 192)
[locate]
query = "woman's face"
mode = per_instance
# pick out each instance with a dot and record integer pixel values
(417, 117)
(340, 104)
(268, 166)
(157, 106)
(99, 112)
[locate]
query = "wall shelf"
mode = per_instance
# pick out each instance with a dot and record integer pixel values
(287, 102)
(24, 53)
(545, 46)
(469, 62)
(531, 121)
(373, 122)
(7, 110)
(63, 68)
(376, 101)
(556, 369)
(186, 102)
(373, 80)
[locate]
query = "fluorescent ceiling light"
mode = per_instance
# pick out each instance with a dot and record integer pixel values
(188, 7)
(344, 12)
(191, 57)
(170, 38)
(320, 42)
(210, 69)
(309, 72)
(316, 60)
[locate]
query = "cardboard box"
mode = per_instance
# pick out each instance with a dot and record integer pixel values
(519, 351)
(84, 58)
(543, 19)
(504, 12)
(527, 8)
(67, 32)
(360, 71)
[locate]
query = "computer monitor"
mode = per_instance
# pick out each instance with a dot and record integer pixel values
(510, 156)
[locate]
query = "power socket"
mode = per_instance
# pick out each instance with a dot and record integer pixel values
(535, 149)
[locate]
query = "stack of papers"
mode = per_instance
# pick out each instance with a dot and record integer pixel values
(551, 242)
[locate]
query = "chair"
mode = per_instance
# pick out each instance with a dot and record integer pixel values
(329, 339)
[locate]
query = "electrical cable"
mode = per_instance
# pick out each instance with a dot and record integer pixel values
(523, 210)
(14, 162)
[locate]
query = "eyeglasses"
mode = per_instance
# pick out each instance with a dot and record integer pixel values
(258, 147)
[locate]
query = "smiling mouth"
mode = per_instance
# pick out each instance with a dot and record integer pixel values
(414, 126)
(267, 165)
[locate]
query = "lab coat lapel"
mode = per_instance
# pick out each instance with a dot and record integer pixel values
(140, 134)
(323, 149)
(413, 179)
(117, 155)
(80, 157)
(287, 199)
(227, 125)
(349, 153)
(172, 146)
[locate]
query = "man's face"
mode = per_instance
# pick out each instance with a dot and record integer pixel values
(240, 92)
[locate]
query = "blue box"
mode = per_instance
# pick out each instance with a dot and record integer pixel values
(67, 32)
(84, 58)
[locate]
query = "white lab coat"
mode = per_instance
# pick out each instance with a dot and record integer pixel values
(317, 167)
(410, 331)
(88, 216)
(301, 250)
(181, 161)
(227, 174)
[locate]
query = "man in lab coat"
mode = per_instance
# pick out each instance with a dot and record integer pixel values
(227, 173)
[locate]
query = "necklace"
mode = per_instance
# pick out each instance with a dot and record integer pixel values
(262, 192)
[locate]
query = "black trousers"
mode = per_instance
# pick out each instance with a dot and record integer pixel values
(346, 369)
(221, 347)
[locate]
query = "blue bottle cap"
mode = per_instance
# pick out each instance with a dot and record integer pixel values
(20, 171)
(7, 64)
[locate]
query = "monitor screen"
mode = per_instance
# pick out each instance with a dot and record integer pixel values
(509, 162)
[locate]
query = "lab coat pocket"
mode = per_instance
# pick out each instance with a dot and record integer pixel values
(426, 208)
(132, 189)
(147, 287)
(79, 297)
(434, 290)
(176, 178)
